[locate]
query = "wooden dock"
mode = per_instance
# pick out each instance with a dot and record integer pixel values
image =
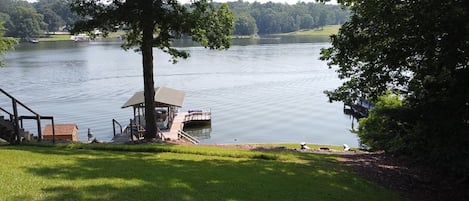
(176, 126)
(176, 132)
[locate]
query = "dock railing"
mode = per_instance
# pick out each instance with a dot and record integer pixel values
(136, 130)
(114, 123)
(185, 136)
(161, 135)
(198, 116)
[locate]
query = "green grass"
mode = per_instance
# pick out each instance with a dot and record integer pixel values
(325, 31)
(55, 38)
(174, 172)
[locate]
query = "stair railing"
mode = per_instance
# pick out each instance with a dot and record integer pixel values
(10, 114)
(114, 123)
(186, 136)
(17, 119)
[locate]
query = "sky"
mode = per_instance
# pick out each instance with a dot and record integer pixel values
(260, 1)
(277, 1)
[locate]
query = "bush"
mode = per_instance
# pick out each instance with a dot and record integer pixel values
(382, 129)
(422, 133)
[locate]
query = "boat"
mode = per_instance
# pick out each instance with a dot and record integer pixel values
(33, 40)
(80, 38)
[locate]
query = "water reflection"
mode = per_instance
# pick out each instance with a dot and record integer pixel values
(200, 132)
(261, 40)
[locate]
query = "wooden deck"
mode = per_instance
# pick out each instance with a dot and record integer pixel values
(197, 118)
(178, 124)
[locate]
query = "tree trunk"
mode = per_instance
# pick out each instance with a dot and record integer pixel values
(148, 83)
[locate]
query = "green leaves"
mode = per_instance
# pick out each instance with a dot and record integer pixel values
(245, 25)
(382, 129)
(28, 23)
(6, 43)
(214, 28)
(420, 48)
(210, 27)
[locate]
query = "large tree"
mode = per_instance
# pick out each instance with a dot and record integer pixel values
(28, 23)
(421, 49)
(54, 22)
(155, 23)
(5, 43)
(57, 13)
(245, 25)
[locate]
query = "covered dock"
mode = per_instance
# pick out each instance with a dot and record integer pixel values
(169, 121)
(167, 102)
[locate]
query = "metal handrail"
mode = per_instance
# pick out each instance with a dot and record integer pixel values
(114, 122)
(10, 114)
(6, 111)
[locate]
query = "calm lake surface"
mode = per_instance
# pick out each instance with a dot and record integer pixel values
(259, 91)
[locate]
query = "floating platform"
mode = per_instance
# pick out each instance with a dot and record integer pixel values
(197, 118)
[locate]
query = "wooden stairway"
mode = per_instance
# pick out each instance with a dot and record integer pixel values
(11, 128)
(7, 131)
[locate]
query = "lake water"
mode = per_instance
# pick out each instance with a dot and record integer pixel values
(265, 91)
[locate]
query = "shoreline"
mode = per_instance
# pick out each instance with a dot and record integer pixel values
(326, 31)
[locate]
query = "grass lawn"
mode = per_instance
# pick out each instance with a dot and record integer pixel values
(175, 172)
(55, 38)
(325, 31)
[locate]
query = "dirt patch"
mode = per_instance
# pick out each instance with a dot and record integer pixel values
(414, 182)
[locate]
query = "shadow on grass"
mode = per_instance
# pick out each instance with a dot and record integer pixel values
(151, 176)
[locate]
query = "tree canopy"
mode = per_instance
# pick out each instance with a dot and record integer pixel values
(27, 22)
(5, 43)
(155, 23)
(250, 19)
(419, 49)
(272, 18)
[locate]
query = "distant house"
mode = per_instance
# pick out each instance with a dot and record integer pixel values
(68, 132)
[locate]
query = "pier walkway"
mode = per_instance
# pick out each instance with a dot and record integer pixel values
(176, 126)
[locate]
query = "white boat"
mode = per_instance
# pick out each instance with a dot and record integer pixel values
(80, 38)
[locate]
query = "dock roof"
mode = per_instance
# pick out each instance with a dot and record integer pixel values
(163, 96)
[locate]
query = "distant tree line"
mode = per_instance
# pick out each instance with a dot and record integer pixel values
(25, 20)
(29, 20)
(271, 18)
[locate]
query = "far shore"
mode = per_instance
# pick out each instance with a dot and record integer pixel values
(325, 31)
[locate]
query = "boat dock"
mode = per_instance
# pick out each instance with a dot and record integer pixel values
(176, 131)
(168, 118)
(176, 126)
